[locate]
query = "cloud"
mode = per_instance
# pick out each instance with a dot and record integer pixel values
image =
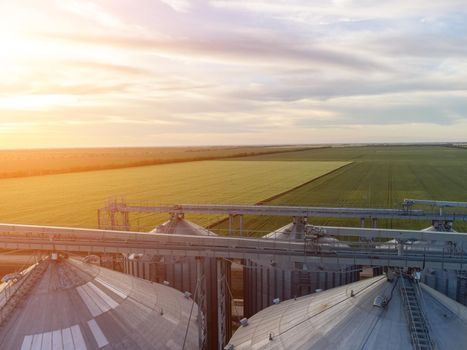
(345, 10)
(234, 49)
(104, 66)
(178, 5)
(307, 88)
(233, 71)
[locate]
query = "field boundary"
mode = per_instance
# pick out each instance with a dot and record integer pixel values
(302, 185)
(263, 201)
(84, 169)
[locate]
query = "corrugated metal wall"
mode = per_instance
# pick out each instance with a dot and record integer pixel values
(451, 283)
(263, 284)
(182, 275)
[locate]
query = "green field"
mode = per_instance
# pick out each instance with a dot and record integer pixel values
(73, 199)
(37, 162)
(369, 176)
(378, 177)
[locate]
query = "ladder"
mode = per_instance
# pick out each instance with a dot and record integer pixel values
(418, 325)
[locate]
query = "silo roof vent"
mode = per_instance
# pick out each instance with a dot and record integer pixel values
(380, 301)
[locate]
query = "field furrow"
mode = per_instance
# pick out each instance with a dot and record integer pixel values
(73, 199)
(380, 177)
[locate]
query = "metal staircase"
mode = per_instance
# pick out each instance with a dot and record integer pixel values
(418, 325)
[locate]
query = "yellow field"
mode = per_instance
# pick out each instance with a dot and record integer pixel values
(72, 199)
(34, 162)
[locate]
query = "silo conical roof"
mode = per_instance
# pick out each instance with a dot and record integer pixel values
(74, 305)
(183, 227)
(345, 318)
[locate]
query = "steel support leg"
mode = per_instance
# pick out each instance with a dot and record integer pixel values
(112, 220)
(241, 224)
(221, 305)
(126, 221)
(201, 301)
(231, 217)
(99, 224)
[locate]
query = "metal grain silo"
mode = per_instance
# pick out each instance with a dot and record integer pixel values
(370, 314)
(182, 273)
(69, 304)
(265, 282)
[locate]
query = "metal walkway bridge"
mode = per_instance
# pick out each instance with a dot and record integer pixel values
(406, 213)
(373, 252)
(115, 215)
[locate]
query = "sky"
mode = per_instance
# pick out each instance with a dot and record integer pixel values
(79, 73)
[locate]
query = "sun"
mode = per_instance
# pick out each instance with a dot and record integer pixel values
(18, 55)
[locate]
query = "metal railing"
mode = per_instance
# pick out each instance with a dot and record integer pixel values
(15, 292)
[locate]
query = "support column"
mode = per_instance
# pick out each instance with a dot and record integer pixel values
(223, 304)
(400, 247)
(99, 224)
(201, 301)
(375, 222)
(112, 220)
(362, 222)
(241, 225)
(247, 287)
(126, 221)
(231, 217)
(126, 268)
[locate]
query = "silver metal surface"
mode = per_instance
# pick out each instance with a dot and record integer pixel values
(291, 211)
(89, 240)
(440, 204)
(344, 318)
(415, 235)
(75, 305)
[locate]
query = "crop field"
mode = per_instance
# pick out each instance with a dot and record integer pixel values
(22, 163)
(378, 177)
(73, 199)
(369, 176)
